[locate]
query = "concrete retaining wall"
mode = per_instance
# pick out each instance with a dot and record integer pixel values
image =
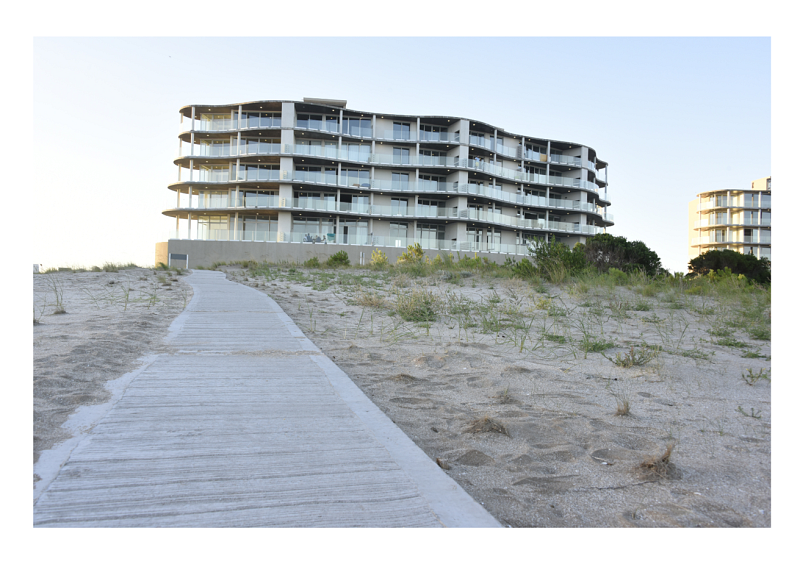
(206, 252)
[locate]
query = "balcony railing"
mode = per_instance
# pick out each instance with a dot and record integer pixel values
(330, 126)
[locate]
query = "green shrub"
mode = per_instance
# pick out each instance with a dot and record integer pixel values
(605, 251)
(418, 305)
(314, 262)
(339, 259)
(618, 276)
(379, 259)
(555, 261)
(721, 264)
(413, 255)
(523, 269)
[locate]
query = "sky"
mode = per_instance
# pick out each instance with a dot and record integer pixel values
(672, 117)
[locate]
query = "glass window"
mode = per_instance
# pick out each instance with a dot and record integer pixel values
(401, 156)
(401, 131)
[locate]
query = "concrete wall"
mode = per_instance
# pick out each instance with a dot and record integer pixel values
(161, 252)
(206, 252)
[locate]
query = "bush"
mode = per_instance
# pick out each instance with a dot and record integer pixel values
(555, 260)
(605, 251)
(715, 261)
(339, 259)
(313, 263)
(419, 305)
(379, 259)
(524, 269)
(413, 255)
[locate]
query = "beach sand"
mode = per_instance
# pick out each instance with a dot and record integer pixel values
(553, 452)
(99, 338)
(528, 429)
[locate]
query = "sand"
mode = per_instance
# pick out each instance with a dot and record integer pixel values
(99, 338)
(528, 429)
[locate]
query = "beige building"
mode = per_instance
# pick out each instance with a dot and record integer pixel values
(288, 180)
(734, 219)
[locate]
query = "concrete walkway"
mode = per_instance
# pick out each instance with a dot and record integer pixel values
(243, 423)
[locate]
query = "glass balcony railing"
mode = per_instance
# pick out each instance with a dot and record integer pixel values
(731, 239)
(260, 122)
(331, 126)
(397, 136)
(566, 160)
(530, 155)
(357, 131)
(425, 136)
(247, 147)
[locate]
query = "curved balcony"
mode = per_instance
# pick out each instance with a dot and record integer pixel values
(732, 239)
(229, 124)
(731, 222)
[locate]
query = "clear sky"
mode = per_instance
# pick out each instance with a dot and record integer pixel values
(671, 116)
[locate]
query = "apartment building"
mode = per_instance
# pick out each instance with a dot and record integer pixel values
(734, 219)
(290, 180)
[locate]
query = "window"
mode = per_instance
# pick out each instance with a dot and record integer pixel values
(312, 229)
(399, 206)
(309, 121)
(260, 228)
(398, 233)
(401, 156)
(401, 131)
(355, 203)
(360, 127)
(399, 181)
(432, 133)
(356, 152)
(430, 234)
(354, 231)
(432, 183)
(355, 177)
(253, 198)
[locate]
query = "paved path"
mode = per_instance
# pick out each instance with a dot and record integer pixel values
(244, 422)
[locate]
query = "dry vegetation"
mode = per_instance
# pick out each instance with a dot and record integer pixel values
(547, 401)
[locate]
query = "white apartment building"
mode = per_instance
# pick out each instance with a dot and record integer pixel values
(278, 179)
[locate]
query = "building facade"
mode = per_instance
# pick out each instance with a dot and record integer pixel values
(271, 179)
(734, 219)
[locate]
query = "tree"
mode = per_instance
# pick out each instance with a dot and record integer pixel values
(756, 269)
(606, 251)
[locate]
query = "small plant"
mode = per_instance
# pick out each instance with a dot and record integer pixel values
(751, 379)
(413, 255)
(419, 305)
(731, 342)
(660, 467)
(753, 413)
(623, 405)
(58, 290)
(560, 339)
(379, 259)
(641, 305)
(339, 259)
(635, 357)
(760, 333)
(543, 303)
(313, 263)
(487, 425)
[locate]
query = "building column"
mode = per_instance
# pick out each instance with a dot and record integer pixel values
(189, 218)
(235, 226)
(193, 119)
(191, 170)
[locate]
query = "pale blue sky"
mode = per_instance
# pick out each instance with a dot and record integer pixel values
(671, 116)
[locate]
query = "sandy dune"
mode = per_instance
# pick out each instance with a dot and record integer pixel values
(552, 453)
